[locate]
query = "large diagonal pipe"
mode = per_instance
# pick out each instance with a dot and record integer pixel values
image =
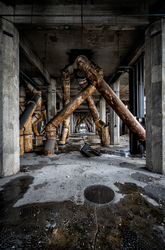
(62, 115)
(40, 111)
(100, 125)
(88, 69)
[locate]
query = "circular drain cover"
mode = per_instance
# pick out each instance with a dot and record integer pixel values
(99, 194)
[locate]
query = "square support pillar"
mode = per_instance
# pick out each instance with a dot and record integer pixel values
(155, 96)
(103, 109)
(71, 124)
(9, 99)
(114, 119)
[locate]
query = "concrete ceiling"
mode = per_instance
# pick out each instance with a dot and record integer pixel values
(113, 30)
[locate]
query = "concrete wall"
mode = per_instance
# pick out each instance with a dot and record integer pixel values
(9, 99)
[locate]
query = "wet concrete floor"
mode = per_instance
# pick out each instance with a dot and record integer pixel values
(44, 206)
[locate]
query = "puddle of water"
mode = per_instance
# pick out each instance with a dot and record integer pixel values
(143, 177)
(128, 165)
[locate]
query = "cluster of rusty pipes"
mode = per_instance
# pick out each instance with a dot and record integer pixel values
(86, 120)
(102, 128)
(26, 141)
(97, 82)
(31, 115)
(40, 111)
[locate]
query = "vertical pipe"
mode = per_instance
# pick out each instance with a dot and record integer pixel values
(92, 107)
(87, 124)
(66, 99)
(21, 142)
(28, 140)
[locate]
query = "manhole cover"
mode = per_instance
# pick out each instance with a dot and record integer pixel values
(99, 194)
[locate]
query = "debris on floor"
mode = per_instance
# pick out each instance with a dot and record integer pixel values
(68, 201)
(88, 151)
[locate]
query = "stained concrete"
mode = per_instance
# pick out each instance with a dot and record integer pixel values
(155, 96)
(44, 207)
(9, 99)
(102, 109)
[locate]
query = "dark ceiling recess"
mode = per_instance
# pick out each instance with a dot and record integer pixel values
(53, 39)
(99, 194)
(74, 53)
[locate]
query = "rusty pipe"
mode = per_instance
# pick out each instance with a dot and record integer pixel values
(67, 71)
(67, 110)
(87, 124)
(88, 69)
(28, 140)
(26, 125)
(92, 107)
(21, 143)
(77, 126)
(40, 106)
(35, 120)
(89, 121)
(29, 110)
(66, 99)
(31, 87)
(51, 140)
(83, 83)
(65, 76)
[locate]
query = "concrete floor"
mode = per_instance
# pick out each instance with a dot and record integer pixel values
(44, 207)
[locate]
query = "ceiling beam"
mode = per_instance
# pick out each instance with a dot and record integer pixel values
(132, 56)
(35, 60)
(33, 57)
(71, 14)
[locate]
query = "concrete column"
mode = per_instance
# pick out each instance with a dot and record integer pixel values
(9, 99)
(53, 109)
(103, 109)
(49, 102)
(71, 124)
(114, 119)
(155, 96)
